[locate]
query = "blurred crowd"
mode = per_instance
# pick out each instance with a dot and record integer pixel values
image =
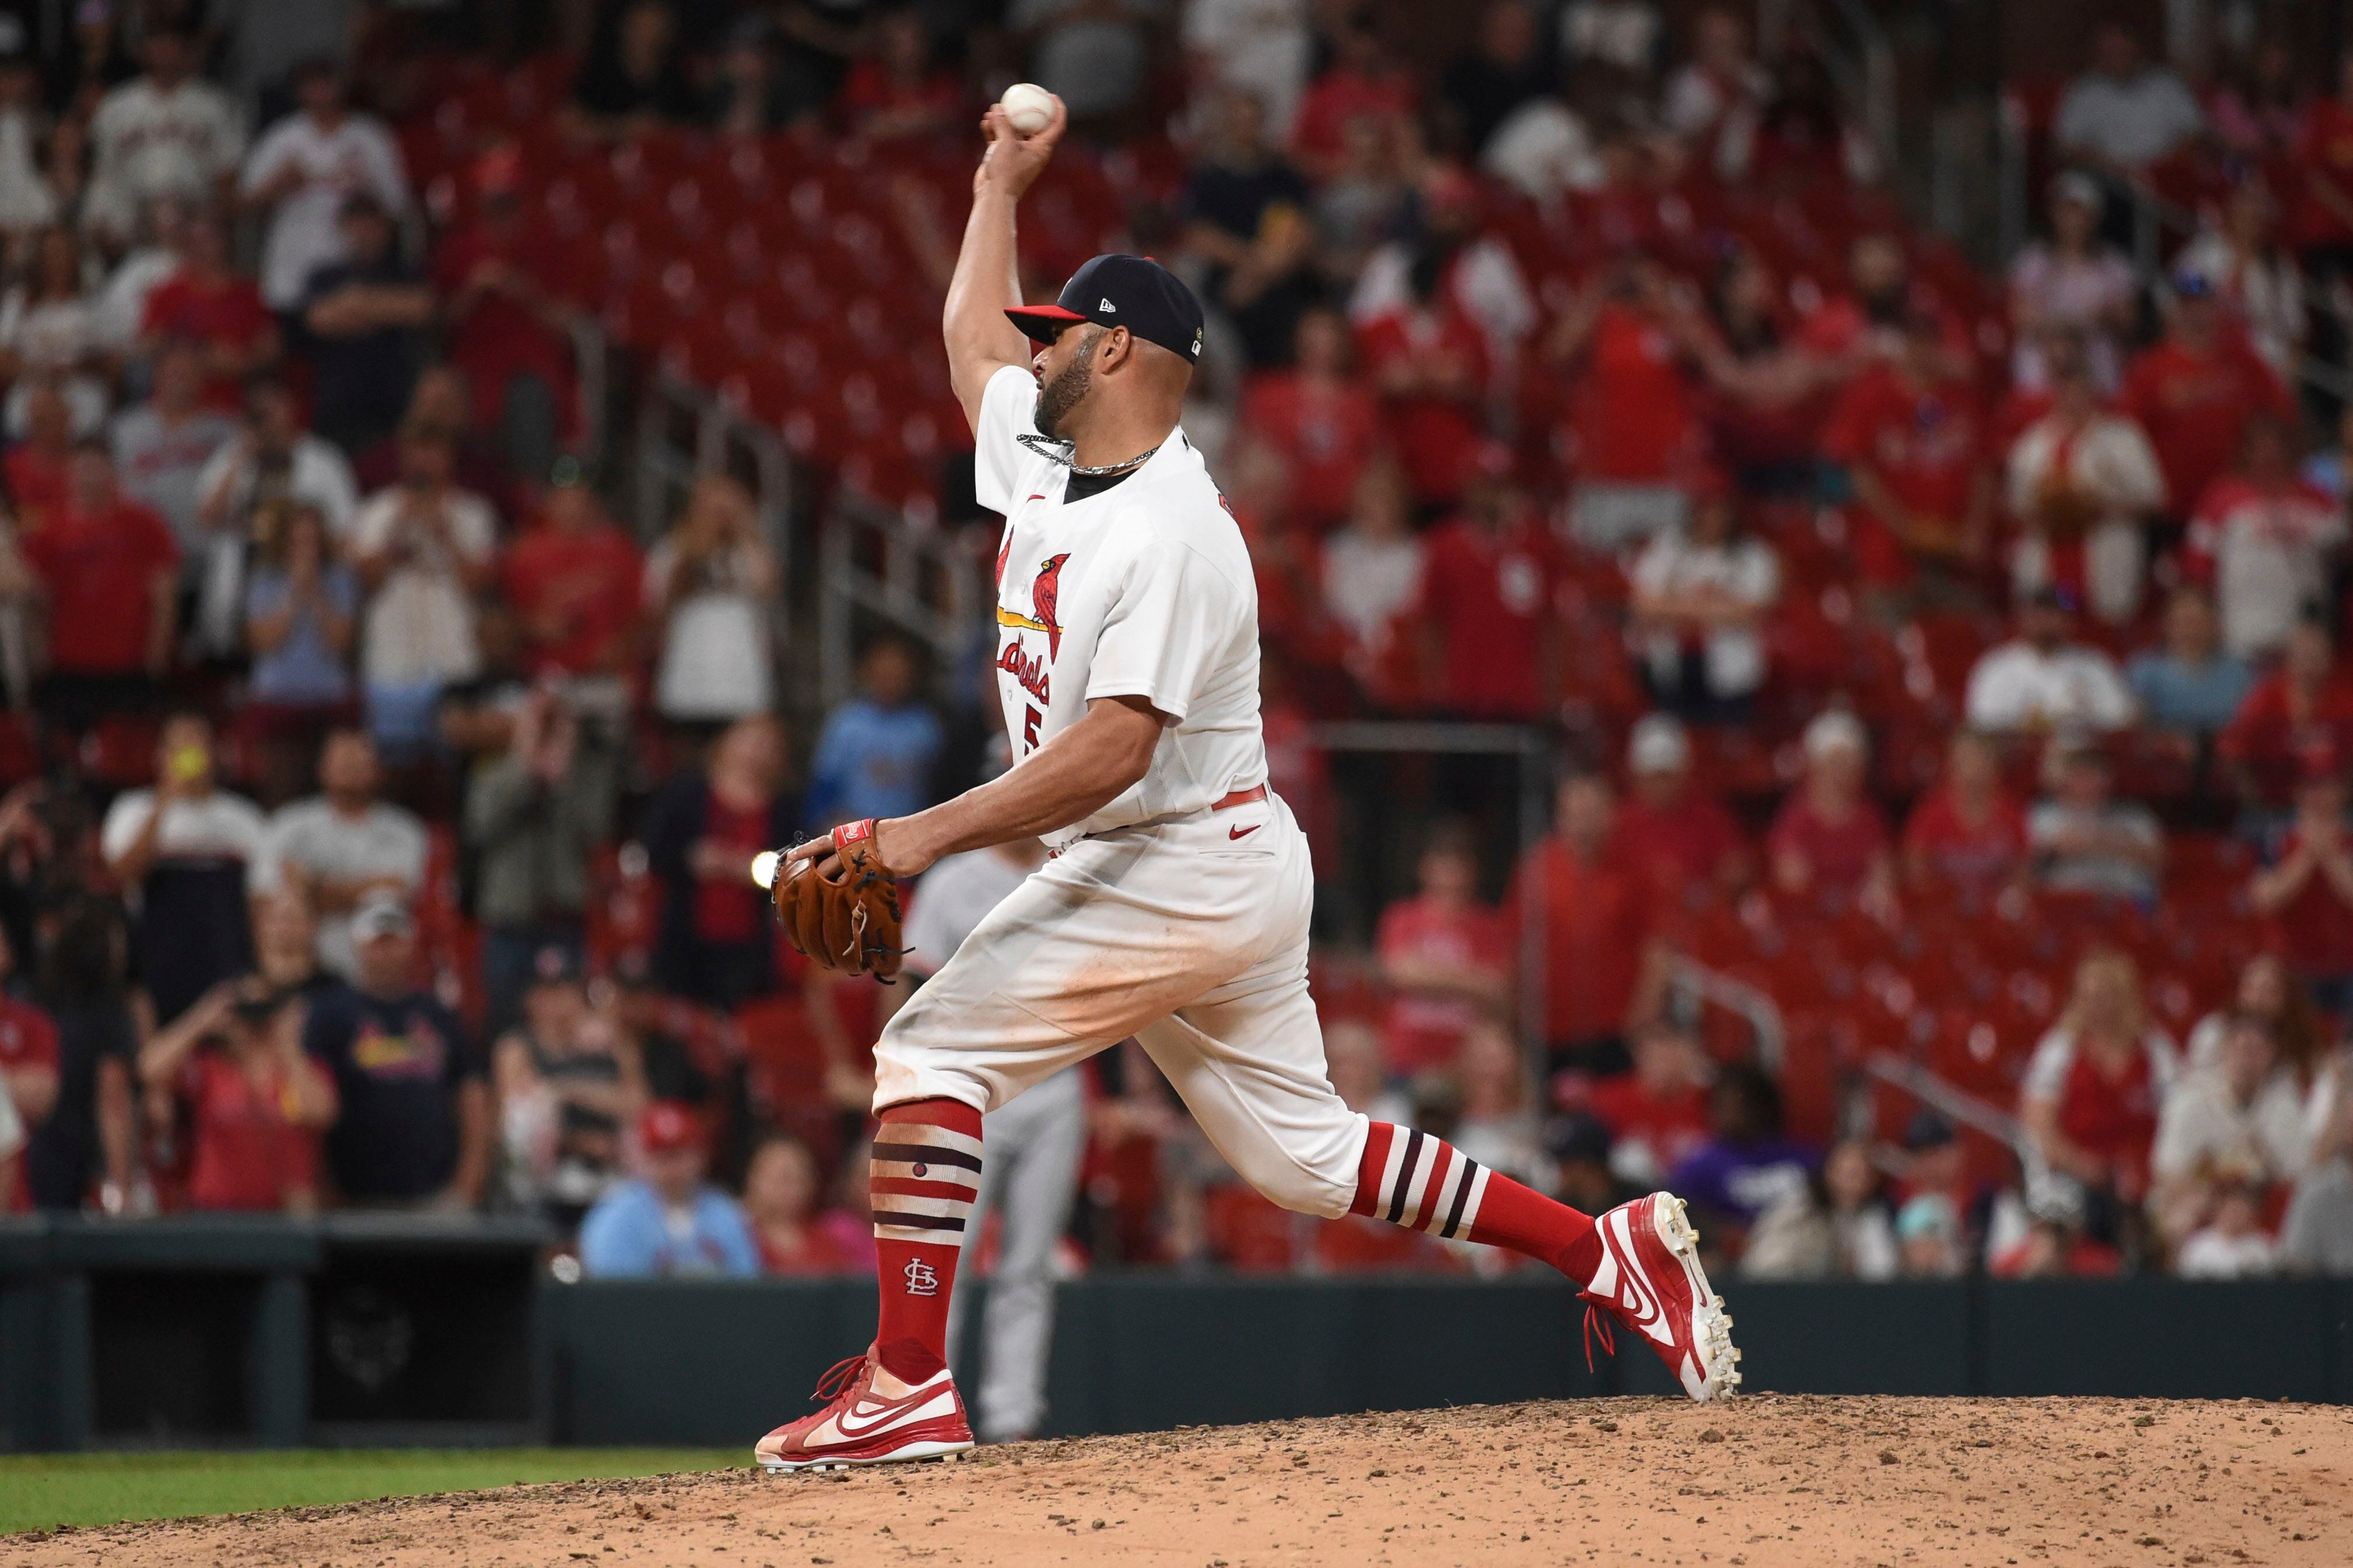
(1950, 660)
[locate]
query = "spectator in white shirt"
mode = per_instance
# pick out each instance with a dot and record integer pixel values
(2267, 540)
(2232, 1245)
(1263, 47)
(341, 845)
(26, 202)
(2074, 283)
(1701, 592)
(2043, 681)
(2125, 113)
(2083, 839)
(1721, 89)
(2240, 1116)
(2082, 483)
(163, 446)
(2253, 274)
(1372, 567)
(423, 549)
(165, 131)
(275, 458)
(302, 170)
(1622, 35)
(49, 330)
(121, 301)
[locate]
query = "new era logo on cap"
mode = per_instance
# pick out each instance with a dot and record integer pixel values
(1131, 291)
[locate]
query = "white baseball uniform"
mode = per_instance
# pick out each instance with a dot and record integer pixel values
(1177, 913)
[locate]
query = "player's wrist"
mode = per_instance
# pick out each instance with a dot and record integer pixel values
(905, 848)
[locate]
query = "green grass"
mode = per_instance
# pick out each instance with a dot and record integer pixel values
(41, 1491)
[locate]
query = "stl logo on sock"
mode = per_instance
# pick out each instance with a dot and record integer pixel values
(922, 1278)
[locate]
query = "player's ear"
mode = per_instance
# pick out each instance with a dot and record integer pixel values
(1118, 346)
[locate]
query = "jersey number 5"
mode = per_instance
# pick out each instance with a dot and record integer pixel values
(1030, 719)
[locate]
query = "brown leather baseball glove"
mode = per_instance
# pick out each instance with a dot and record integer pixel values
(841, 910)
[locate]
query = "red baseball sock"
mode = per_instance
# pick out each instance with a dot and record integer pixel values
(926, 1169)
(1411, 1179)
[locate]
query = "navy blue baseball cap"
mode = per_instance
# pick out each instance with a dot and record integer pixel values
(1131, 291)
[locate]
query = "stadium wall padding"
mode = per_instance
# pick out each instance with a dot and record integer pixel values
(361, 1329)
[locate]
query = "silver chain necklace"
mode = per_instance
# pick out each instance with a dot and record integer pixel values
(1059, 452)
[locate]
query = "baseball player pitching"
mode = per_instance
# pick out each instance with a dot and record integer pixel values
(1174, 905)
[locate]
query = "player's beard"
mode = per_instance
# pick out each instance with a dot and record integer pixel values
(1068, 389)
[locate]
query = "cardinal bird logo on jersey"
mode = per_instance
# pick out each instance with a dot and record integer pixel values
(1043, 592)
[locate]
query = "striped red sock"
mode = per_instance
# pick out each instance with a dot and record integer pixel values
(926, 1169)
(1411, 1179)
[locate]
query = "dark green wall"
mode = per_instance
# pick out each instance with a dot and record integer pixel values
(719, 1363)
(294, 1323)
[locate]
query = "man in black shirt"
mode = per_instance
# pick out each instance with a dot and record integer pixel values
(364, 318)
(1248, 219)
(416, 1127)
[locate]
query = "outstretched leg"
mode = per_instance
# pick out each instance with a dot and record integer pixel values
(1249, 1061)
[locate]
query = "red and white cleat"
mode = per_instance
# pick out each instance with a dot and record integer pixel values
(870, 1418)
(1650, 1280)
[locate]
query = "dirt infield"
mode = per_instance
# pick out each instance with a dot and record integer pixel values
(1764, 1480)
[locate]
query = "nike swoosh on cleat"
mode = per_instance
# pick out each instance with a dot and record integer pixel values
(1244, 832)
(882, 1414)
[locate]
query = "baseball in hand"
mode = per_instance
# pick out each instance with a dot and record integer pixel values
(764, 867)
(1028, 107)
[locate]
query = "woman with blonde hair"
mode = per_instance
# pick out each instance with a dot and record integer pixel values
(708, 584)
(2092, 1095)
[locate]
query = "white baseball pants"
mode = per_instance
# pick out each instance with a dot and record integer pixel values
(1192, 936)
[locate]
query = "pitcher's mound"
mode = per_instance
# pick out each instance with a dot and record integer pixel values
(1763, 1481)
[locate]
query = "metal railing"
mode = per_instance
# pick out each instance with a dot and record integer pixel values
(1956, 1105)
(877, 563)
(1755, 1005)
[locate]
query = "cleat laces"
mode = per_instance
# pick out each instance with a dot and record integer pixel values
(838, 1378)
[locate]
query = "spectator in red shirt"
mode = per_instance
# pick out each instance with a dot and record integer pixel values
(1866, 321)
(1912, 438)
(2195, 390)
(1490, 586)
(28, 1070)
(1967, 838)
(1686, 841)
(108, 576)
(258, 1103)
(900, 91)
(574, 584)
(2306, 704)
(715, 942)
(1429, 359)
(510, 336)
(1602, 967)
(1657, 1114)
(208, 302)
(2091, 1097)
(2320, 224)
(1363, 81)
(1630, 340)
(1829, 844)
(2309, 891)
(1323, 422)
(36, 465)
(1445, 957)
(794, 1236)
(1773, 394)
